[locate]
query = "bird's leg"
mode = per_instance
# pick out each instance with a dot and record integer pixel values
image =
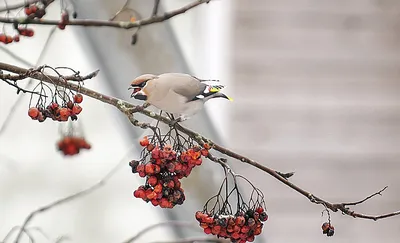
(139, 108)
(175, 121)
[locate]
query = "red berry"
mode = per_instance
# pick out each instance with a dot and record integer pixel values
(9, 39)
(158, 188)
(152, 180)
(33, 112)
(64, 113)
(151, 195)
(150, 147)
(207, 231)
(250, 238)
(16, 38)
(148, 168)
(78, 98)
(144, 142)
(76, 109)
(29, 32)
(27, 11)
(136, 193)
(154, 202)
(3, 38)
(33, 8)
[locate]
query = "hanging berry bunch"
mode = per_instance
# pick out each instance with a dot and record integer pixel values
(240, 225)
(165, 160)
(62, 105)
(72, 140)
(37, 9)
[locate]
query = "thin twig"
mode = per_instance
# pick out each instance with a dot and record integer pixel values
(155, 8)
(162, 224)
(69, 198)
(367, 198)
(106, 23)
(19, 89)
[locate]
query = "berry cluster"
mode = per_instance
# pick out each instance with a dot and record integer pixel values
(239, 225)
(242, 227)
(163, 172)
(57, 112)
(7, 39)
(328, 229)
(70, 145)
(35, 10)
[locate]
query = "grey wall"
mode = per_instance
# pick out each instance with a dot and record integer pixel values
(317, 92)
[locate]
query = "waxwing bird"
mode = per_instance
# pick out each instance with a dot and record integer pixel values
(176, 93)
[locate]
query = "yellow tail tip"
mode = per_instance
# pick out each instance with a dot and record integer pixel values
(230, 99)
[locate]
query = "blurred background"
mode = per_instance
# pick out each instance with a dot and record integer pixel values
(315, 88)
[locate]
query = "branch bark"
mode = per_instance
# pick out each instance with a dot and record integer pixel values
(128, 108)
(106, 23)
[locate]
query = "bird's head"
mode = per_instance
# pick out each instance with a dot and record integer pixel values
(138, 85)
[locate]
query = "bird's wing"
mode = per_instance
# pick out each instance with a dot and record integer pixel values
(189, 86)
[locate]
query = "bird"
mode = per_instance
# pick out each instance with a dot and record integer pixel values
(179, 94)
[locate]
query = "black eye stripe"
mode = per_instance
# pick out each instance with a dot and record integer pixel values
(141, 85)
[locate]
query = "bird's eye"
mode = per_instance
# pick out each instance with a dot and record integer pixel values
(141, 85)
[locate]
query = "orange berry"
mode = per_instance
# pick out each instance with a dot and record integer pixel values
(207, 146)
(158, 188)
(207, 231)
(64, 113)
(3, 38)
(152, 180)
(151, 195)
(148, 168)
(204, 152)
(33, 8)
(150, 147)
(76, 109)
(27, 11)
(9, 39)
(33, 112)
(78, 98)
(144, 142)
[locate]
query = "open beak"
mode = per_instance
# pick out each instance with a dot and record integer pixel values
(135, 90)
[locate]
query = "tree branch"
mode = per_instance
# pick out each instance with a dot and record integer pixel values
(127, 108)
(155, 7)
(106, 23)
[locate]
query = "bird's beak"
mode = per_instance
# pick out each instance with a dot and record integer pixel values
(139, 95)
(135, 90)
